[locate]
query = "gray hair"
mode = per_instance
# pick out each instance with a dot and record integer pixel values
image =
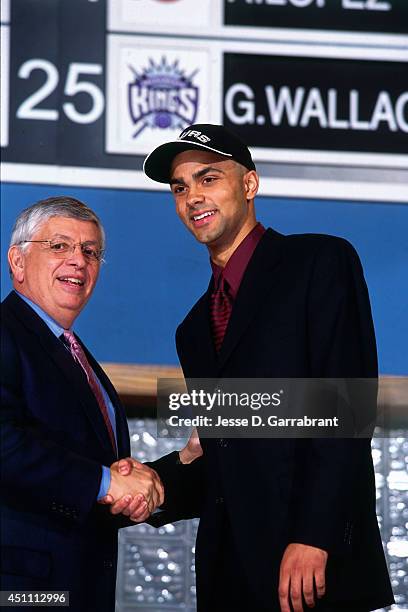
(31, 218)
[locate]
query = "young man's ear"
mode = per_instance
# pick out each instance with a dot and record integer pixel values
(251, 184)
(16, 263)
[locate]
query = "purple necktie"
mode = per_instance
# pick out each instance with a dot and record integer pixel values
(79, 355)
(220, 311)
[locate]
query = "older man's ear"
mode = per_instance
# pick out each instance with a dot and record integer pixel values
(16, 263)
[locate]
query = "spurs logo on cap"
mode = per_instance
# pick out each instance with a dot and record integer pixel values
(194, 134)
(207, 137)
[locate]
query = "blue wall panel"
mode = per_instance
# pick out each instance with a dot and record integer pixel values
(155, 270)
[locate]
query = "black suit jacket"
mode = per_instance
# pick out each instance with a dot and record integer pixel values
(302, 311)
(54, 441)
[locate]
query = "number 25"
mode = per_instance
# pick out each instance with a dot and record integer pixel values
(73, 85)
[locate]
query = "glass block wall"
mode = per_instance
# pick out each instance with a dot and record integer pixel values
(390, 457)
(156, 566)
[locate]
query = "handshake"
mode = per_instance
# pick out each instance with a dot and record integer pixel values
(136, 489)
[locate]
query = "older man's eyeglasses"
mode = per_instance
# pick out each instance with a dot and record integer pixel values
(64, 248)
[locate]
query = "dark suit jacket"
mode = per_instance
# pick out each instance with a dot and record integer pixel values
(53, 443)
(302, 310)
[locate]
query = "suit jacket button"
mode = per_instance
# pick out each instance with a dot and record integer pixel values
(219, 500)
(222, 443)
(107, 564)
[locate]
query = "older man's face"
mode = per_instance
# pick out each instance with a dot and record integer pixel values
(61, 286)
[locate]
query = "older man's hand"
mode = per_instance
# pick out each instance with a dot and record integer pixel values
(138, 506)
(302, 571)
(135, 490)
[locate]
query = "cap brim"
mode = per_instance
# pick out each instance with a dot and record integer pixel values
(157, 164)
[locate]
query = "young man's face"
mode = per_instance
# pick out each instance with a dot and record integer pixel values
(211, 195)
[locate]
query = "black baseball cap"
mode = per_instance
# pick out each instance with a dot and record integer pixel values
(202, 136)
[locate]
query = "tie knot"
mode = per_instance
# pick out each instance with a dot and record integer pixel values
(222, 285)
(71, 340)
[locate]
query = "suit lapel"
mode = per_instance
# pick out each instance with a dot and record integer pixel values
(206, 343)
(122, 430)
(76, 377)
(73, 372)
(257, 282)
(202, 358)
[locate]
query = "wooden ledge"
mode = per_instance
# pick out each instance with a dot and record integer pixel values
(137, 385)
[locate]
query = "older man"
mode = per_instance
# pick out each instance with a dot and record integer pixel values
(284, 523)
(62, 422)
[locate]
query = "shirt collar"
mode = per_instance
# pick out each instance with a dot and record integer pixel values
(52, 324)
(238, 262)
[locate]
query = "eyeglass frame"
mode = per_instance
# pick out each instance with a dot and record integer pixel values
(99, 259)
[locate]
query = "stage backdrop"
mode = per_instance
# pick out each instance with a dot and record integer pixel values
(318, 89)
(154, 270)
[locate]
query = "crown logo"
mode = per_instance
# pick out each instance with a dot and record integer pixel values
(162, 96)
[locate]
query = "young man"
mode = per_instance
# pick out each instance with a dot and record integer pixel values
(284, 523)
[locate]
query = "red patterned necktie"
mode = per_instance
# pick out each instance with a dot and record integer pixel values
(220, 311)
(79, 355)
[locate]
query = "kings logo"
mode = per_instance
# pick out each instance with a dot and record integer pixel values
(162, 96)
